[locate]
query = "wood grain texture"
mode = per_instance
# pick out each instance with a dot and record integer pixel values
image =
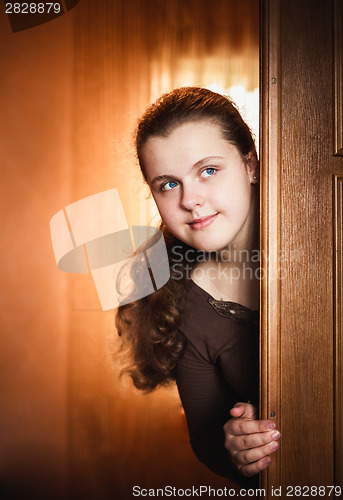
(270, 403)
(306, 228)
(338, 305)
(309, 374)
(338, 76)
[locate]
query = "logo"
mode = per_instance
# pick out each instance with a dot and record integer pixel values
(126, 263)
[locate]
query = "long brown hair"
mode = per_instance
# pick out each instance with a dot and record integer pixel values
(149, 326)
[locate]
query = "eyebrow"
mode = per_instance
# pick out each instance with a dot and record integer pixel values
(198, 164)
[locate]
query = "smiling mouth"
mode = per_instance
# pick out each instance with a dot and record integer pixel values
(203, 222)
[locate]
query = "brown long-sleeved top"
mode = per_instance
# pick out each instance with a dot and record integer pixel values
(219, 367)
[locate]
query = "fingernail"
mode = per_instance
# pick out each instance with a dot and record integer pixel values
(274, 445)
(276, 435)
(270, 425)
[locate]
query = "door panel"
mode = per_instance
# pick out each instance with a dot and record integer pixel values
(301, 343)
(338, 309)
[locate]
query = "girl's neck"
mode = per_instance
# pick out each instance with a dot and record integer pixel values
(234, 276)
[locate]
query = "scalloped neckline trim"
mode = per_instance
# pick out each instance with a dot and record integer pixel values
(228, 309)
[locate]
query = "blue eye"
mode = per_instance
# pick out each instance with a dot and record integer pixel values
(208, 172)
(168, 186)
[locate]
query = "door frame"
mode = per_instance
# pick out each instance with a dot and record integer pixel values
(270, 381)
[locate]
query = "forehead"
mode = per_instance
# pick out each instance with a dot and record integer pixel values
(183, 147)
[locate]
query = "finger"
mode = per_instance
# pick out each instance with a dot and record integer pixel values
(244, 410)
(255, 468)
(254, 454)
(239, 426)
(248, 441)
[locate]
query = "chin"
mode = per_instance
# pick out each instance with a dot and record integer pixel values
(210, 247)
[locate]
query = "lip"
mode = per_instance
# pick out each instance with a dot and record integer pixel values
(203, 222)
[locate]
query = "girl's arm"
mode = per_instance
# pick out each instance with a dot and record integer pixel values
(207, 402)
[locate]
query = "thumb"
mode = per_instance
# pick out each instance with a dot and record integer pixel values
(244, 410)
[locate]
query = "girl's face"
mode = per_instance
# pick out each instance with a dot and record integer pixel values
(201, 186)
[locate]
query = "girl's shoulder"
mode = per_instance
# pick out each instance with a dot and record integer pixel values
(212, 325)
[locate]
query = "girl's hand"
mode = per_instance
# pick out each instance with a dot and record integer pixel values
(250, 441)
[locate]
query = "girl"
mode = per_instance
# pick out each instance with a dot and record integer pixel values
(201, 329)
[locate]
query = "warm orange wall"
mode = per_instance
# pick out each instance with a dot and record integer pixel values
(35, 159)
(71, 91)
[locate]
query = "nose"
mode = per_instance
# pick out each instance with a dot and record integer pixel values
(191, 197)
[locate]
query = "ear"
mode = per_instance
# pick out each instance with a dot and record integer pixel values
(253, 167)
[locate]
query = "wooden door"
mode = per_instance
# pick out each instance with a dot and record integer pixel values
(302, 206)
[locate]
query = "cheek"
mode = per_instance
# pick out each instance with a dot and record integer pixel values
(166, 208)
(236, 200)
